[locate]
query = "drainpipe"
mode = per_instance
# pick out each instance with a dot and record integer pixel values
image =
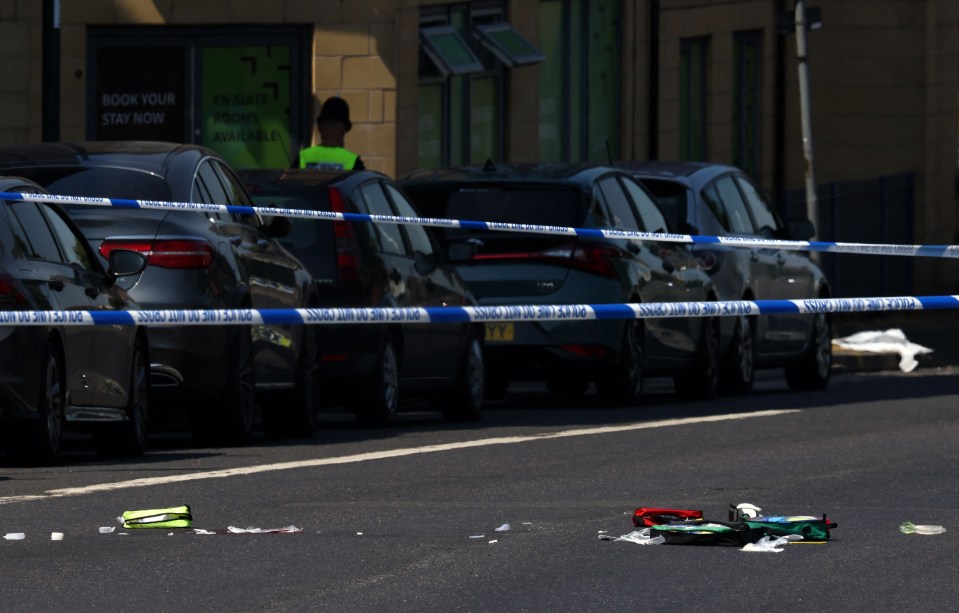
(653, 87)
(51, 71)
(812, 209)
(779, 113)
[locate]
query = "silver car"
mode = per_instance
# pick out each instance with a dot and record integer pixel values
(721, 200)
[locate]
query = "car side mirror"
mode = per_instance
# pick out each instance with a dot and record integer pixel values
(459, 252)
(124, 262)
(800, 229)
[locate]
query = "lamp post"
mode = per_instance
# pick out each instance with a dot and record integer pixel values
(803, 23)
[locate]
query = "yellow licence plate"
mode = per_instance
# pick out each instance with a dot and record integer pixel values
(500, 332)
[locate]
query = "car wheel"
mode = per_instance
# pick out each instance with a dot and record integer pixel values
(701, 382)
(129, 438)
(40, 441)
(228, 418)
(379, 404)
(464, 402)
(813, 369)
(294, 412)
(738, 369)
(622, 382)
(567, 384)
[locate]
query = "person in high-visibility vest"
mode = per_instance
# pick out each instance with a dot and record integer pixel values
(333, 123)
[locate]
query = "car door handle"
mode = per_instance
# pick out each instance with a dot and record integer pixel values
(236, 241)
(56, 285)
(754, 256)
(91, 292)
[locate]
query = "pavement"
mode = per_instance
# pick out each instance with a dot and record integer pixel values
(935, 330)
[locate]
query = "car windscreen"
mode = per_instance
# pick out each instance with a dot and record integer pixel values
(100, 182)
(671, 198)
(307, 236)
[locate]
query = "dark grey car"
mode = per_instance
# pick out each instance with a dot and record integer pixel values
(197, 260)
(368, 366)
(721, 200)
(511, 268)
(89, 376)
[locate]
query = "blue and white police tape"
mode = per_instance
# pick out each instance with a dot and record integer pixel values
(937, 251)
(476, 314)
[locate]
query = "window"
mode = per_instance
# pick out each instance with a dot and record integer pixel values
(723, 198)
(763, 217)
(465, 49)
(507, 45)
(389, 235)
(75, 250)
(747, 75)
(448, 51)
(42, 244)
(619, 208)
(652, 218)
(692, 98)
(579, 80)
(243, 91)
(418, 236)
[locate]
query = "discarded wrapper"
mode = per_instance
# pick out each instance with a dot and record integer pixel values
(652, 516)
(172, 517)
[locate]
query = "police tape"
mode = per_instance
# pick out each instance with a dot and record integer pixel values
(472, 314)
(936, 251)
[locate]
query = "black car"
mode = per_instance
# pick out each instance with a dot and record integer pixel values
(197, 260)
(360, 264)
(721, 200)
(513, 268)
(92, 376)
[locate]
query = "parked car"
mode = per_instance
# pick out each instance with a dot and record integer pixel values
(197, 260)
(511, 268)
(721, 200)
(356, 264)
(51, 376)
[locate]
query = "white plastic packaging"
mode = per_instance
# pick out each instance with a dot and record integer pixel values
(14, 536)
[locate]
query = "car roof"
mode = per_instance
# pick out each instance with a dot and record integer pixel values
(152, 156)
(689, 173)
(307, 177)
(572, 173)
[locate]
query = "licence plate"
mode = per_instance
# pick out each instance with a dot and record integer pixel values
(500, 332)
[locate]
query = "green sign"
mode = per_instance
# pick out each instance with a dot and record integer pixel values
(246, 105)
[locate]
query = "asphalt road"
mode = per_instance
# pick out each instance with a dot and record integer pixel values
(405, 519)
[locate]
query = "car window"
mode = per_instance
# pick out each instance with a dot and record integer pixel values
(620, 211)
(555, 206)
(724, 200)
(652, 218)
(75, 249)
(672, 199)
(763, 216)
(34, 227)
(417, 235)
(208, 182)
(390, 236)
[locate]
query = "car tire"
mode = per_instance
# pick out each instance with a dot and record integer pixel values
(738, 365)
(701, 382)
(378, 404)
(39, 441)
(812, 371)
(294, 412)
(229, 417)
(129, 438)
(622, 383)
(464, 401)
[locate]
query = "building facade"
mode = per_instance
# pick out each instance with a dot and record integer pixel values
(435, 83)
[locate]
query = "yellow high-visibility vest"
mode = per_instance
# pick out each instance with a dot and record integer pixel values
(328, 158)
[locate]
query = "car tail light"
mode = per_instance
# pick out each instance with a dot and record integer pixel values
(178, 253)
(11, 294)
(346, 262)
(593, 258)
